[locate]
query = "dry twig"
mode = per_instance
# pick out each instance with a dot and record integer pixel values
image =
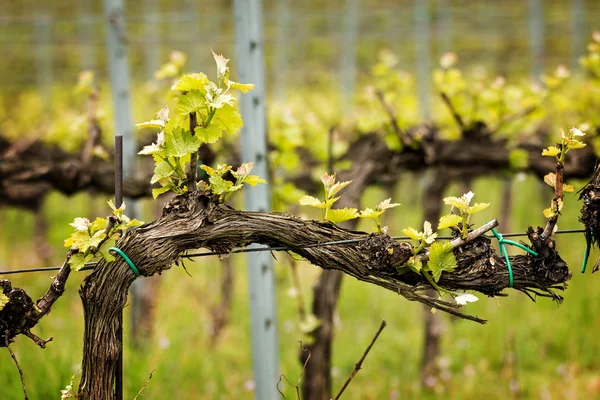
(6, 341)
(358, 365)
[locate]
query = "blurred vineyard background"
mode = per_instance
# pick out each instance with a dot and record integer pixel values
(527, 350)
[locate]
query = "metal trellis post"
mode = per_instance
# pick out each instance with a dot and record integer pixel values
(193, 34)
(119, 81)
(87, 47)
(250, 67)
(422, 18)
(536, 37)
(152, 29)
(444, 25)
(43, 56)
(577, 34)
(283, 15)
(348, 55)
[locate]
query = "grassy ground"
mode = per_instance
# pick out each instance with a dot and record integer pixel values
(549, 350)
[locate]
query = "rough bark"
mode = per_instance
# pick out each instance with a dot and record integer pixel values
(196, 221)
(29, 169)
(590, 211)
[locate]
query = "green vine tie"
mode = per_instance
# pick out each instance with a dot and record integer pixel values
(502, 243)
(127, 260)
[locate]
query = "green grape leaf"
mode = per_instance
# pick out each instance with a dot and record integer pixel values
(370, 213)
(242, 87)
(210, 134)
(228, 119)
(191, 82)
(341, 214)
(475, 208)
(551, 151)
(77, 261)
(253, 180)
(99, 224)
(412, 233)
(568, 188)
(158, 191)
(155, 123)
(104, 250)
(193, 101)
(162, 171)
(307, 200)
(3, 300)
(548, 213)
(131, 223)
(575, 144)
(441, 259)
(455, 202)
(180, 142)
(151, 149)
(218, 185)
(448, 221)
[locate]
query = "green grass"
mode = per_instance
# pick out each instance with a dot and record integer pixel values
(555, 346)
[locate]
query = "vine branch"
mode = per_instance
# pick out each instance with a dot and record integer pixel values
(358, 365)
(12, 354)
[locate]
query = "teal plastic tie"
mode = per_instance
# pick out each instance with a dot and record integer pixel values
(586, 253)
(502, 243)
(127, 260)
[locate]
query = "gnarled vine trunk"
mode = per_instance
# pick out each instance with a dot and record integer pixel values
(195, 221)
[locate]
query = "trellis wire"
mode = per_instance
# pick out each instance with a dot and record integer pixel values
(91, 265)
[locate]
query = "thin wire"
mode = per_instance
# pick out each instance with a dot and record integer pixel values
(91, 265)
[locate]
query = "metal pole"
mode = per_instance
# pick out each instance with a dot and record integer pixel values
(444, 26)
(348, 56)
(536, 37)
(423, 57)
(193, 34)
(250, 67)
(152, 29)
(43, 56)
(283, 14)
(577, 22)
(119, 80)
(87, 53)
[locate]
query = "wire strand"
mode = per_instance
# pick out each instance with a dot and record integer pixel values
(91, 265)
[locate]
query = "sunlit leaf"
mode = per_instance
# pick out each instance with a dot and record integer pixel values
(191, 82)
(441, 259)
(551, 151)
(3, 300)
(77, 261)
(386, 204)
(448, 221)
(370, 213)
(475, 208)
(342, 214)
(307, 200)
(412, 233)
(253, 180)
